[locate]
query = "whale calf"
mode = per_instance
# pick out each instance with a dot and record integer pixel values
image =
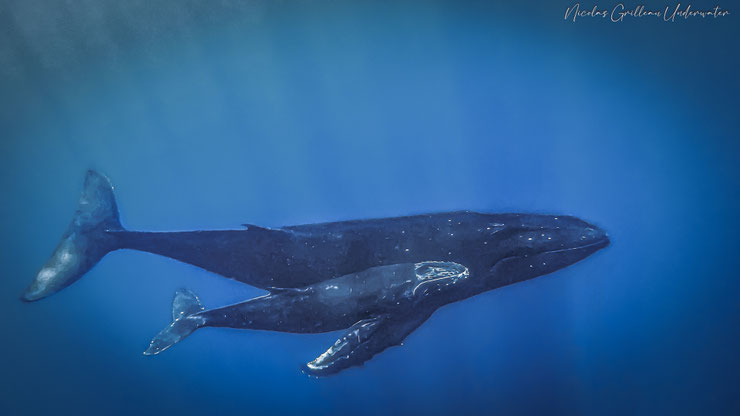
(301, 255)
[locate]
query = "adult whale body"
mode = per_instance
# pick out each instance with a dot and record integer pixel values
(298, 256)
(380, 306)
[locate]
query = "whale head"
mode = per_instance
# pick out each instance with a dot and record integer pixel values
(531, 245)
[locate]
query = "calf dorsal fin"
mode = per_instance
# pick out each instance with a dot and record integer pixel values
(279, 290)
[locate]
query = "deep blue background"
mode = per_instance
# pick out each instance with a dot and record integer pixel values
(212, 114)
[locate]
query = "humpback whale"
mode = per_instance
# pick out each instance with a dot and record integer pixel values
(378, 279)
(303, 255)
(378, 307)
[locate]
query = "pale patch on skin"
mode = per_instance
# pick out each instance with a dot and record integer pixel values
(444, 273)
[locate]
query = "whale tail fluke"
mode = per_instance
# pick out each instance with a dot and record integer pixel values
(84, 243)
(185, 306)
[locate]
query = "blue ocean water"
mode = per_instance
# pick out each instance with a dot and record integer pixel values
(209, 115)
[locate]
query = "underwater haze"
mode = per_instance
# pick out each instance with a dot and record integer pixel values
(208, 115)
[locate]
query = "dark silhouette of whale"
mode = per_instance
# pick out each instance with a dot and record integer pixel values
(302, 255)
(380, 306)
(379, 278)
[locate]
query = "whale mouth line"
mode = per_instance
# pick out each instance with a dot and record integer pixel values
(598, 245)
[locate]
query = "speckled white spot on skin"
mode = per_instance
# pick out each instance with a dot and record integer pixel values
(45, 275)
(65, 257)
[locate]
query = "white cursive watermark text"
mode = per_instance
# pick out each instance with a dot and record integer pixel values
(620, 12)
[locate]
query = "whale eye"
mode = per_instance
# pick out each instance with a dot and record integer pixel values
(438, 274)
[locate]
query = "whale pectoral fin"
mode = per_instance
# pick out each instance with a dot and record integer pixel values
(362, 341)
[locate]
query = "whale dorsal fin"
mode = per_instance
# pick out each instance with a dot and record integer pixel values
(363, 340)
(276, 290)
(252, 227)
(264, 230)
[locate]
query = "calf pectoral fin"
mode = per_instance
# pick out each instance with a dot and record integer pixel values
(362, 341)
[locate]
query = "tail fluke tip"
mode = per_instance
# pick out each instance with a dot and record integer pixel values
(185, 307)
(84, 243)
